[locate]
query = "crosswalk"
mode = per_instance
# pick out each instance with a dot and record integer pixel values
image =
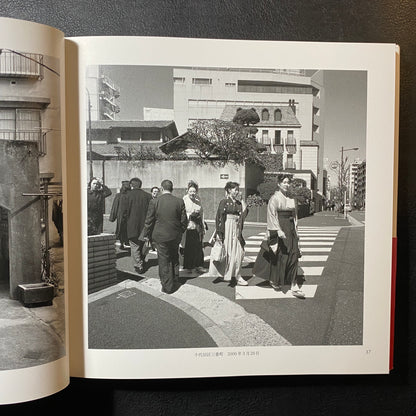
(315, 243)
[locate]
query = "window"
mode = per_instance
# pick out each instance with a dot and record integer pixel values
(265, 115)
(20, 124)
(178, 80)
(265, 137)
(290, 138)
(277, 137)
(278, 115)
(201, 81)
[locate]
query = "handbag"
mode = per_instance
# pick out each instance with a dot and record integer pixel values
(218, 251)
(147, 246)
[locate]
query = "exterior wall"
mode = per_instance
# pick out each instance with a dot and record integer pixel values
(19, 173)
(211, 180)
(103, 98)
(158, 113)
(310, 158)
(29, 93)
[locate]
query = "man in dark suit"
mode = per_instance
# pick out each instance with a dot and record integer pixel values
(138, 203)
(165, 223)
(119, 213)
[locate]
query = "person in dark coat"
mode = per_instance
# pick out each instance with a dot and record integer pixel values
(119, 213)
(97, 192)
(138, 202)
(166, 221)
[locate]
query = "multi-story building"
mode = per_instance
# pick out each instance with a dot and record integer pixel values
(361, 184)
(30, 160)
(353, 179)
(288, 103)
(102, 95)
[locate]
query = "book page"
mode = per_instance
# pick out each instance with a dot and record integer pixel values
(281, 154)
(33, 347)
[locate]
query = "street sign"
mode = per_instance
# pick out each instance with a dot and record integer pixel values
(224, 176)
(334, 165)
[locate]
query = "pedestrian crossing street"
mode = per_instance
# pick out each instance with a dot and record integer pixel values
(315, 243)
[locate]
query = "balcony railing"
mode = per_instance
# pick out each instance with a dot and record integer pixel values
(26, 136)
(110, 84)
(278, 148)
(290, 145)
(22, 65)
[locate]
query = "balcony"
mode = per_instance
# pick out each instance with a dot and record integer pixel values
(26, 136)
(110, 84)
(22, 65)
(290, 143)
(278, 148)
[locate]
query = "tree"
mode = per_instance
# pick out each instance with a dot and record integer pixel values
(220, 142)
(247, 117)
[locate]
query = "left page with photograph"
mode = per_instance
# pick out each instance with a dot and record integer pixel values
(33, 341)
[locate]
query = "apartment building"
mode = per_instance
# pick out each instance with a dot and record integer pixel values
(102, 95)
(288, 103)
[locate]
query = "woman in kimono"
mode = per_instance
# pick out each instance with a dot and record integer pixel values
(193, 254)
(229, 223)
(280, 264)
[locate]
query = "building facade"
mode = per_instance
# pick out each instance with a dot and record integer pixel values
(288, 103)
(30, 162)
(102, 95)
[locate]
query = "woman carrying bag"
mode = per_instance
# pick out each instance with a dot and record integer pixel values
(229, 222)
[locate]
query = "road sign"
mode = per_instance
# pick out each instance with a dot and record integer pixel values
(334, 165)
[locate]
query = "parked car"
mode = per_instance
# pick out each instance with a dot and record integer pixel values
(348, 208)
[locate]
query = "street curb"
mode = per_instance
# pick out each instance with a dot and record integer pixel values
(228, 323)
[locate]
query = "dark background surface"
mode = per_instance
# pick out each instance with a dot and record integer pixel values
(382, 21)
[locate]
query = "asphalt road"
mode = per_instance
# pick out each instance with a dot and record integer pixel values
(331, 315)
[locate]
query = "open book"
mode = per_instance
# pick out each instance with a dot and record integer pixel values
(175, 208)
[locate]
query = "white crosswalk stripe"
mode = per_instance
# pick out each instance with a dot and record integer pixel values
(316, 244)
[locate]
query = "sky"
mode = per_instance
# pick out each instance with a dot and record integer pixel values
(345, 96)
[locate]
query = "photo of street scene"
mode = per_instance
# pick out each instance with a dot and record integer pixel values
(32, 318)
(226, 206)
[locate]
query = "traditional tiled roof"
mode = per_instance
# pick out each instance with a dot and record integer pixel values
(288, 115)
(179, 143)
(141, 124)
(112, 150)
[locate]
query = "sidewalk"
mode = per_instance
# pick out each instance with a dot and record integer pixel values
(30, 336)
(33, 336)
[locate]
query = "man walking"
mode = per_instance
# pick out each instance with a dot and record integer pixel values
(138, 203)
(165, 223)
(119, 213)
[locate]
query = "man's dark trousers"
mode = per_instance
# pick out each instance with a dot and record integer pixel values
(168, 258)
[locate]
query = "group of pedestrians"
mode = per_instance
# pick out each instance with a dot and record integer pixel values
(175, 225)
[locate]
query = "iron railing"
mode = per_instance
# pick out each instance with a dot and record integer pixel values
(26, 65)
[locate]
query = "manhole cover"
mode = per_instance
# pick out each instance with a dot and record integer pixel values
(126, 294)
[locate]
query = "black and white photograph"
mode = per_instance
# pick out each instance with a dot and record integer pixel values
(32, 305)
(226, 206)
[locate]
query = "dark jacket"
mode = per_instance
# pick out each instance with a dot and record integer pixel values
(166, 219)
(228, 206)
(138, 203)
